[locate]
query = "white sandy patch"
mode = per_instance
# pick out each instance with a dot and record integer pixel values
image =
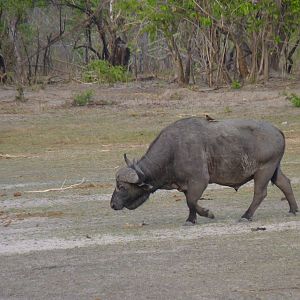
(183, 233)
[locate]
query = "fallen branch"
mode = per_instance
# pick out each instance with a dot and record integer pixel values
(82, 82)
(8, 156)
(62, 188)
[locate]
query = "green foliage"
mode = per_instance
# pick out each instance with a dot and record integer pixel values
(295, 99)
(83, 98)
(102, 71)
(18, 11)
(239, 20)
(178, 23)
(236, 85)
(16, 7)
(205, 21)
(256, 14)
(158, 15)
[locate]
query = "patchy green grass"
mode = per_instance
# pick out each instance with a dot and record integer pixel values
(71, 142)
(294, 98)
(87, 129)
(236, 85)
(84, 98)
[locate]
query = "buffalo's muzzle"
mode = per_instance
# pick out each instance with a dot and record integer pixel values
(116, 206)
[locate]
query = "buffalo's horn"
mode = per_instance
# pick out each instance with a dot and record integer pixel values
(129, 175)
(139, 171)
(128, 162)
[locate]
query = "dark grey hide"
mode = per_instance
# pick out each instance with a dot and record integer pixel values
(191, 153)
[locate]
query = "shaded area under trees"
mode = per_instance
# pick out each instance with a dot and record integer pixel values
(216, 42)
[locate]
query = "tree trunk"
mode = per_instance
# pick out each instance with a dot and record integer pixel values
(188, 63)
(266, 63)
(87, 33)
(289, 59)
(37, 54)
(280, 32)
(242, 65)
(112, 58)
(177, 59)
(180, 70)
(105, 52)
(253, 71)
(14, 39)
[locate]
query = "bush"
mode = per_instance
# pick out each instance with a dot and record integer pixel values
(236, 85)
(102, 71)
(83, 98)
(295, 99)
(20, 94)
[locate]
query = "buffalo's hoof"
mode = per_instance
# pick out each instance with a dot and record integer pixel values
(294, 212)
(245, 220)
(210, 215)
(189, 223)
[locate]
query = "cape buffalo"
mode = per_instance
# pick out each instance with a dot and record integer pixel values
(191, 153)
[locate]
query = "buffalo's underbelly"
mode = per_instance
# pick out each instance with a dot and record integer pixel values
(233, 183)
(233, 172)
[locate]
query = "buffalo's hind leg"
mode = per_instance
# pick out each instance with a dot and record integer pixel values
(261, 180)
(284, 184)
(193, 194)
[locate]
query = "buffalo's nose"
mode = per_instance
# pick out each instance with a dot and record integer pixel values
(112, 205)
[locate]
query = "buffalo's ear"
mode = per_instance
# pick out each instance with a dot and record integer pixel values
(145, 186)
(128, 162)
(128, 175)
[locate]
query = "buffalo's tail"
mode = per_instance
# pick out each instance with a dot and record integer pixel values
(275, 175)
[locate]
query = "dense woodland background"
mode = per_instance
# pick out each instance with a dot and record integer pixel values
(188, 41)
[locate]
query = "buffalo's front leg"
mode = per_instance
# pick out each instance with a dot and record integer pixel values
(193, 194)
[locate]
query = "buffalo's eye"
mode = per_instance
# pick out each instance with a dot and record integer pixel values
(121, 187)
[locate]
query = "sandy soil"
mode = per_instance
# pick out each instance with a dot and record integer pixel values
(69, 244)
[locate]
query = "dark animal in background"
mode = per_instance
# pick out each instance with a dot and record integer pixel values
(120, 53)
(3, 75)
(191, 153)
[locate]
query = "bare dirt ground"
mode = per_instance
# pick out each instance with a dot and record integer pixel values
(69, 244)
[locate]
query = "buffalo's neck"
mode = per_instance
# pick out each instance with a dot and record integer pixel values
(156, 170)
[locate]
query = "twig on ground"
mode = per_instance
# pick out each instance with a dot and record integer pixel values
(63, 184)
(59, 189)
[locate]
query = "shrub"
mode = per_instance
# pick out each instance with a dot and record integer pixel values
(20, 94)
(236, 85)
(295, 99)
(83, 98)
(102, 71)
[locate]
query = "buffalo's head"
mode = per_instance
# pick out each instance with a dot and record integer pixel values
(131, 190)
